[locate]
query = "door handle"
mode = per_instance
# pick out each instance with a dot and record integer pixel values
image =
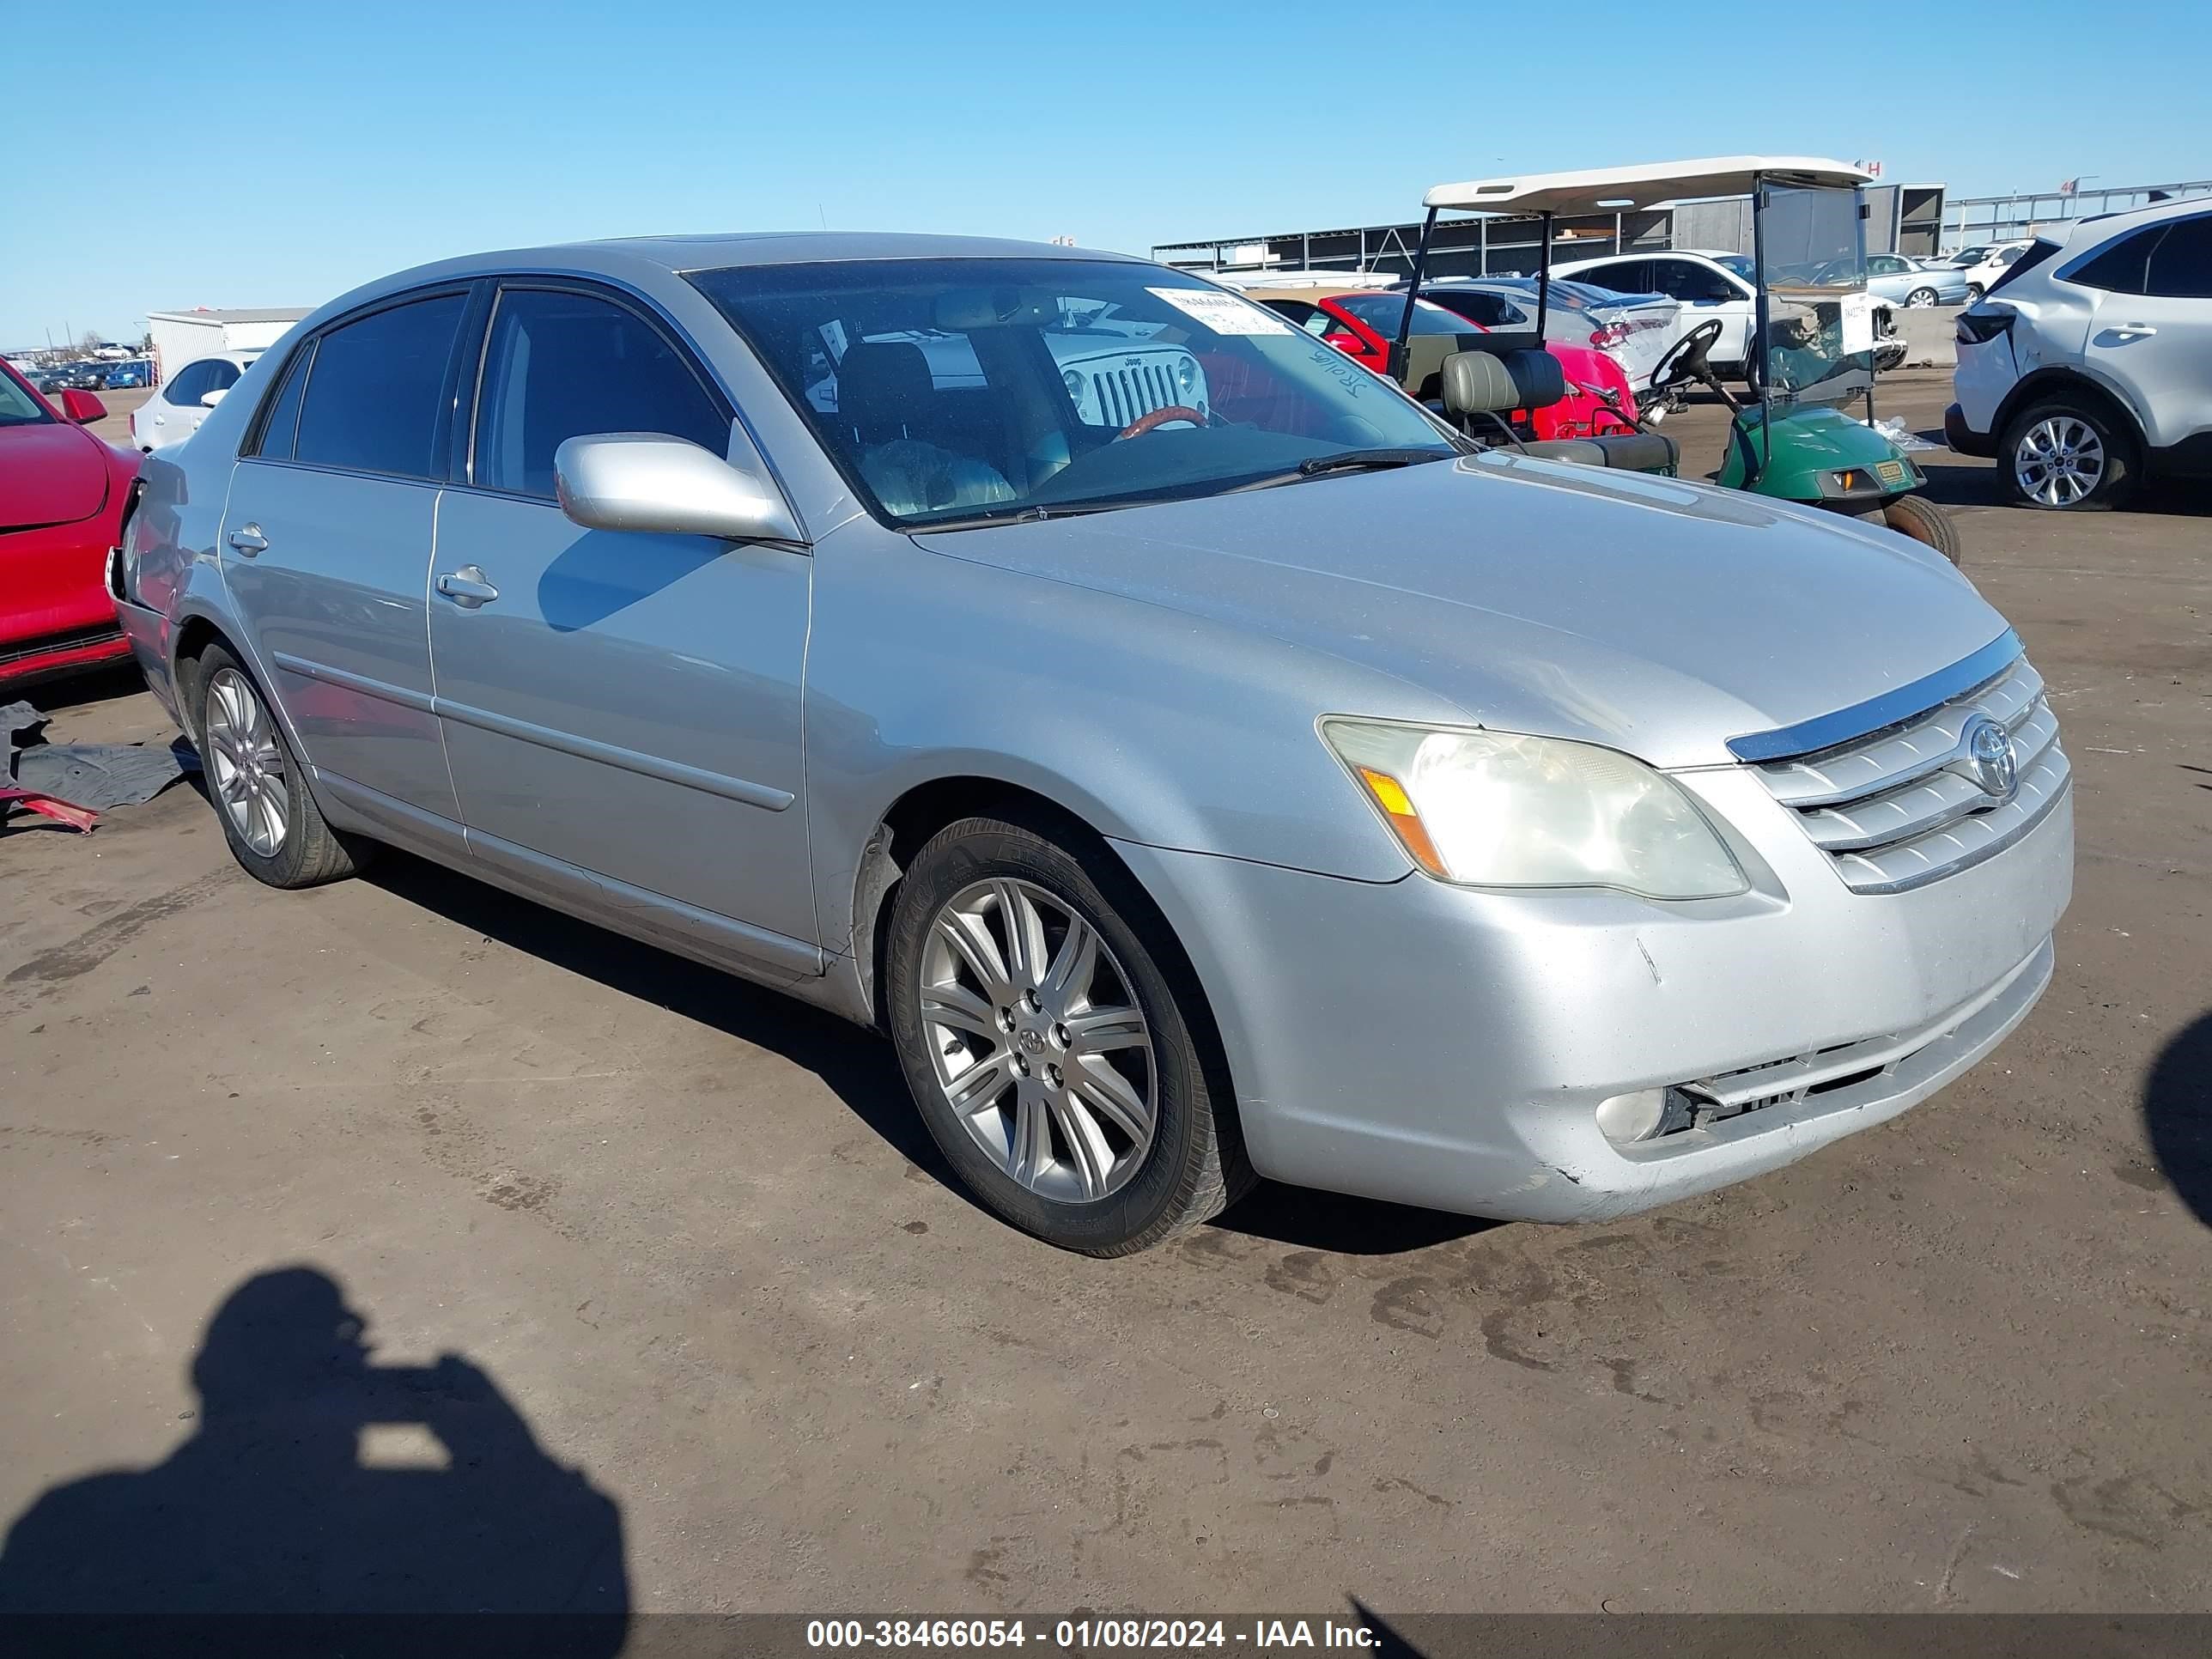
(248, 539)
(467, 587)
(2138, 328)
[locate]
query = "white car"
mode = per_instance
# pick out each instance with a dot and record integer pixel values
(1983, 267)
(1634, 330)
(1707, 285)
(181, 402)
(2090, 366)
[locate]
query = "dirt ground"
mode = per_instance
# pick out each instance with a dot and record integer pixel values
(693, 1235)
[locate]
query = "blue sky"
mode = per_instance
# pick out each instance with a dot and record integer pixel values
(277, 155)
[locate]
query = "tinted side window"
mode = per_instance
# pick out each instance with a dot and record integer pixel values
(283, 418)
(1680, 279)
(561, 366)
(184, 390)
(372, 403)
(2181, 267)
(2120, 269)
(223, 375)
(1622, 277)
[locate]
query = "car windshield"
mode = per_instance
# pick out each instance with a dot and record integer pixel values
(17, 406)
(980, 389)
(1737, 264)
(1566, 294)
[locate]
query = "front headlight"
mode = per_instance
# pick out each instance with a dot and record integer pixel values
(1489, 808)
(1186, 376)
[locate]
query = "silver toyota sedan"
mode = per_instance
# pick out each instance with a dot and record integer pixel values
(1197, 760)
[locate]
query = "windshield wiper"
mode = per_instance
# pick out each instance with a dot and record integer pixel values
(1369, 460)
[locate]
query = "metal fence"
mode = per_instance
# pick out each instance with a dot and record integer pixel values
(1983, 219)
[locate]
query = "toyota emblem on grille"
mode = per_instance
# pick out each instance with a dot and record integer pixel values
(1997, 763)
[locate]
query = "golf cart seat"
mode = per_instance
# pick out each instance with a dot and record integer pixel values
(1482, 383)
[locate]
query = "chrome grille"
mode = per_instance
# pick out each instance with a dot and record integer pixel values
(1904, 806)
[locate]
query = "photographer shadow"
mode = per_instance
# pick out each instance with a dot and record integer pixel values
(316, 1483)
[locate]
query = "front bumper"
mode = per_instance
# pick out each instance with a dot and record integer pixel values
(1439, 1046)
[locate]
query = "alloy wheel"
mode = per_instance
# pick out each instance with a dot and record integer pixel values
(1037, 1041)
(2059, 461)
(246, 764)
(1921, 298)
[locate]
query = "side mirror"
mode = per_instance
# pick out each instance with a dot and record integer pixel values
(82, 407)
(648, 481)
(209, 399)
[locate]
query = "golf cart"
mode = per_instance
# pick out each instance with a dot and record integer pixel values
(1812, 344)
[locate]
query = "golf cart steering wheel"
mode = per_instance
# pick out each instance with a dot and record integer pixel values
(1685, 361)
(1165, 415)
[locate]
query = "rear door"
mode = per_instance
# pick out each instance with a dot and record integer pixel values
(624, 705)
(2155, 344)
(326, 551)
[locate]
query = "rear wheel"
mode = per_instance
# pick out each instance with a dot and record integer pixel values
(1921, 298)
(2069, 456)
(275, 829)
(1922, 520)
(1053, 1041)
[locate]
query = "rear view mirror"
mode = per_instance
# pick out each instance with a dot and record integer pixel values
(646, 481)
(211, 399)
(82, 407)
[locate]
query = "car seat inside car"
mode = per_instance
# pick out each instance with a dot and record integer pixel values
(885, 395)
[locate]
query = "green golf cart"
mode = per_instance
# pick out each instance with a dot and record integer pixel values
(1811, 346)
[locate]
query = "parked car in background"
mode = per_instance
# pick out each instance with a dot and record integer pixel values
(1705, 285)
(89, 376)
(61, 497)
(1294, 793)
(1634, 330)
(126, 377)
(1363, 323)
(177, 406)
(1987, 270)
(2089, 368)
(1903, 282)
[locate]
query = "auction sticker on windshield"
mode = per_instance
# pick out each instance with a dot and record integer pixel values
(1224, 313)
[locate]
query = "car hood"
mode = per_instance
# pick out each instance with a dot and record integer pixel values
(1657, 616)
(50, 474)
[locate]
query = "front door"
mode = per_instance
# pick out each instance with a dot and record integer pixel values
(325, 549)
(624, 705)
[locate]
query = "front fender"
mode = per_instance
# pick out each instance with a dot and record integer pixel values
(1152, 727)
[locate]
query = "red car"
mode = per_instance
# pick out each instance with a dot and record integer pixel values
(62, 496)
(1362, 322)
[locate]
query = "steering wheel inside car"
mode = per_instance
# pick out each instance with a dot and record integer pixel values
(1166, 416)
(1685, 361)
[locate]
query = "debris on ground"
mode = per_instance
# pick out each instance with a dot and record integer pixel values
(73, 782)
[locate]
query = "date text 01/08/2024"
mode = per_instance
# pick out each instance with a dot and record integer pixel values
(1255, 1636)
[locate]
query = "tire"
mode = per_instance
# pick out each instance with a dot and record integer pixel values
(1089, 1172)
(1921, 298)
(2088, 461)
(1974, 292)
(1922, 520)
(258, 787)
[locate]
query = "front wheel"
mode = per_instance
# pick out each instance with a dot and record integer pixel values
(1052, 1038)
(1925, 522)
(1974, 291)
(1921, 298)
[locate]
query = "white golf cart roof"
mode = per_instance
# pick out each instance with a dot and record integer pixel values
(1608, 189)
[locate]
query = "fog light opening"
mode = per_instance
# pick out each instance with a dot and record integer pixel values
(1644, 1114)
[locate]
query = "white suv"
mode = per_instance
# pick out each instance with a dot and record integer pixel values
(2089, 366)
